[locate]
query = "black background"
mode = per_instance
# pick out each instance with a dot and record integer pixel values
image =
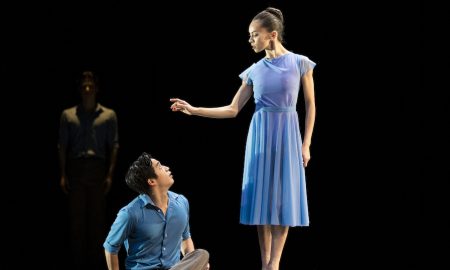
(363, 204)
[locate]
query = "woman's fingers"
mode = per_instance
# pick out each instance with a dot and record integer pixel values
(305, 161)
(179, 105)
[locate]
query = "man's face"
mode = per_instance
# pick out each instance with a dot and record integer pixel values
(88, 87)
(164, 176)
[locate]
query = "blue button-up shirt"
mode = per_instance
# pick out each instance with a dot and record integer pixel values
(151, 239)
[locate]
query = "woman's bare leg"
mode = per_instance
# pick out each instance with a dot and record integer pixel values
(265, 241)
(279, 235)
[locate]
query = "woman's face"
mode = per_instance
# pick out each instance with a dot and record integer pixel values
(259, 37)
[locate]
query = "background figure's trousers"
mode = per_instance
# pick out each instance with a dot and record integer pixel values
(87, 212)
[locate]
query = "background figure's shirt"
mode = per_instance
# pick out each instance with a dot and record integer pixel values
(151, 239)
(88, 134)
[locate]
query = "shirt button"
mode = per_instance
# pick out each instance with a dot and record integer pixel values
(164, 248)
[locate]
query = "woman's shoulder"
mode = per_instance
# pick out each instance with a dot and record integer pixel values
(299, 55)
(302, 59)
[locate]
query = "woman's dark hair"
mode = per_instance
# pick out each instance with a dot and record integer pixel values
(139, 172)
(272, 19)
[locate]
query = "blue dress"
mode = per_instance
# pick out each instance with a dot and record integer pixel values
(274, 187)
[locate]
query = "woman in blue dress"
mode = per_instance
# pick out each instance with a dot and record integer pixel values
(273, 188)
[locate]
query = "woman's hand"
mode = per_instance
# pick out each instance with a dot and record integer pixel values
(181, 105)
(306, 155)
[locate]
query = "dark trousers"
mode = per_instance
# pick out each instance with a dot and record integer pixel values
(87, 212)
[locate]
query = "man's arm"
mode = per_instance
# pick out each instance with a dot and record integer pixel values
(113, 159)
(113, 142)
(112, 165)
(112, 260)
(187, 246)
(62, 151)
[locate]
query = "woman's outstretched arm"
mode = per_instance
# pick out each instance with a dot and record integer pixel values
(240, 99)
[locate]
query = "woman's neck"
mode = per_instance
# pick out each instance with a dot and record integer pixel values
(277, 50)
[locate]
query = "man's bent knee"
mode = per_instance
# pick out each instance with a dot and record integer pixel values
(202, 254)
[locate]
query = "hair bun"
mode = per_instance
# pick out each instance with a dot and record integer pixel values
(276, 12)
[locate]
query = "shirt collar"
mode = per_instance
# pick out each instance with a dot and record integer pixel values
(98, 108)
(146, 200)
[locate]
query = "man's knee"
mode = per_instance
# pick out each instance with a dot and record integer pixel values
(202, 254)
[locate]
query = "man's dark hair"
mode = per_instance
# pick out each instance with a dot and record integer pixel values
(139, 172)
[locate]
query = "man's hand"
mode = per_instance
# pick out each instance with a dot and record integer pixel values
(64, 184)
(108, 183)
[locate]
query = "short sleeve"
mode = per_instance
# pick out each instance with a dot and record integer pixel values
(63, 130)
(246, 75)
(113, 134)
(120, 230)
(305, 64)
(187, 229)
